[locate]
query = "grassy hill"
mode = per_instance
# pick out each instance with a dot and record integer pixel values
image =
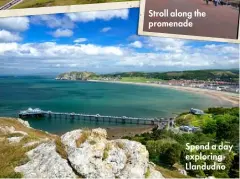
(225, 75)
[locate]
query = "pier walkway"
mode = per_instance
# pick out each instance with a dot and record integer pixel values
(34, 113)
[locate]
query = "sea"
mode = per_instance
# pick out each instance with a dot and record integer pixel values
(22, 92)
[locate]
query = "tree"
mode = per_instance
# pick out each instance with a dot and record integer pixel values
(227, 128)
(210, 127)
(171, 155)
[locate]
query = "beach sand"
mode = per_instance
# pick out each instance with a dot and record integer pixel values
(221, 96)
(119, 132)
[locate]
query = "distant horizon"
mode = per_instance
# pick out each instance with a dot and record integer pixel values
(55, 74)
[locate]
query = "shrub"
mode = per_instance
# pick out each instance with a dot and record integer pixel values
(171, 155)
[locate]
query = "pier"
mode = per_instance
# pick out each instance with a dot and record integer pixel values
(38, 113)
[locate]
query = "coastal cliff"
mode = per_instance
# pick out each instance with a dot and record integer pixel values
(75, 76)
(33, 153)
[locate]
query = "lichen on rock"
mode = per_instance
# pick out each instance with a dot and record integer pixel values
(45, 162)
(119, 158)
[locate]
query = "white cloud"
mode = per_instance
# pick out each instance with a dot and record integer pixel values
(99, 15)
(14, 23)
(6, 36)
(80, 40)
(51, 49)
(62, 33)
(136, 44)
(222, 48)
(106, 29)
(52, 21)
(166, 44)
(51, 55)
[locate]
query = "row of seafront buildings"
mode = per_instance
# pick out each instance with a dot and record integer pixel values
(211, 85)
(217, 85)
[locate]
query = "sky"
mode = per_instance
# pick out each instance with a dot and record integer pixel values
(101, 42)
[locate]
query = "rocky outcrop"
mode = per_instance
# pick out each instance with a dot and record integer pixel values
(79, 153)
(11, 130)
(93, 156)
(75, 76)
(32, 143)
(14, 139)
(25, 123)
(45, 162)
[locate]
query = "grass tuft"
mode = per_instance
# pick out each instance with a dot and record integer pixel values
(120, 145)
(106, 150)
(147, 174)
(11, 157)
(60, 148)
(84, 136)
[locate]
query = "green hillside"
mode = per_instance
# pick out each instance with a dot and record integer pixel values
(225, 75)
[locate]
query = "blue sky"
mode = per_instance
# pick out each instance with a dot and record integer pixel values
(102, 42)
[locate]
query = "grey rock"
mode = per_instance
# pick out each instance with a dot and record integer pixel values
(97, 157)
(45, 162)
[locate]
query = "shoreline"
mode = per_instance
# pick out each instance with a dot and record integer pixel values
(114, 132)
(221, 96)
(131, 131)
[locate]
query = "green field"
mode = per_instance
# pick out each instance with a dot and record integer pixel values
(224, 75)
(139, 79)
(47, 3)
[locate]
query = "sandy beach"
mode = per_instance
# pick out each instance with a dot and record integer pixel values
(221, 96)
(119, 132)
